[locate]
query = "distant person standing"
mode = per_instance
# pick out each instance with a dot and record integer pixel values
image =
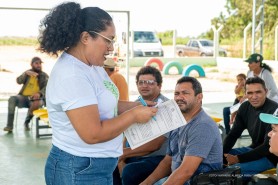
(118, 79)
(262, 70)
(31, 94)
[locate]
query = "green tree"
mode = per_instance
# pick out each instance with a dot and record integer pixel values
(234, 25)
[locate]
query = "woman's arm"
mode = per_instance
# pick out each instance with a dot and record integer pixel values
(91, 129)
(127, 105)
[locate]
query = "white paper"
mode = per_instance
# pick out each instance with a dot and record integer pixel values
(234, 108)
(168, 117)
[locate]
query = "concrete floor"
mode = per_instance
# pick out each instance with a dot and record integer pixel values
(23, 155)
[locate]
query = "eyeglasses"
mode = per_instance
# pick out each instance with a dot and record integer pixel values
(110, 42)
(146, 82)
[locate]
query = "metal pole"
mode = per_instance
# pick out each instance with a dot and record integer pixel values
(253, 26)
(127, 49)
(131, 43)
(174, 43)
(217, 40)
(276, 43)
(262, 27)
(214, 40)
(245, 39)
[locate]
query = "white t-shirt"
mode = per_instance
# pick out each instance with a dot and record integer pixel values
(73, 84)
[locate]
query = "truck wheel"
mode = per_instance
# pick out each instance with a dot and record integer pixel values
(203, 55)
(180, 53)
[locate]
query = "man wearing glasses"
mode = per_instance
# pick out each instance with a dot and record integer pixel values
(136, 165)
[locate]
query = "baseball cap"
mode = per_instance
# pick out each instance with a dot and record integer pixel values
(270, 118)
(109, 63)
(255, 57)
(35, 59)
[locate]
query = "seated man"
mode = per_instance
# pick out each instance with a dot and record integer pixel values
(137, 164)
(256, 157)
(31, 94)
(273, 142)
(193, 148)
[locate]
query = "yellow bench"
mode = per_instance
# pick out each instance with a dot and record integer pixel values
(41, 115)
(216, 119)
(270, 171)
(220, 127)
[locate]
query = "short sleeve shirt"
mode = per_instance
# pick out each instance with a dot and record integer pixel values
(200, 137)
(73, 84)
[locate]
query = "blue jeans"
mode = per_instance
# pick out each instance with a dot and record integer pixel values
(63, 168)
(137, 169)
(226, 119)
(248, 169)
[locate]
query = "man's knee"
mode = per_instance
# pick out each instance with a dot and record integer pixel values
(36, 104)
(128, 174)
(226, 110)
(13, 100)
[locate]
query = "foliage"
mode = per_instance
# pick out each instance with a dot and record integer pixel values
(167, 38)
(18, 41)
(239, 16)
(234, 24)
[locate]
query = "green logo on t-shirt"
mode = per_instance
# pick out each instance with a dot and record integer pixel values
(114, 90)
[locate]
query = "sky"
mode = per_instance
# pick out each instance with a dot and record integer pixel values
(187, 17)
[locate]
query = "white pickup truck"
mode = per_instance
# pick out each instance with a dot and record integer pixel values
(198, 47)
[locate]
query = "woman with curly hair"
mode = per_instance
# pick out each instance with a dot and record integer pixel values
(86, 117)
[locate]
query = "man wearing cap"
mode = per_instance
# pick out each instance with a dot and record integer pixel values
(117, 78)
(269, 179)
(31, 94)
(273, 134)
(255, 158)
(262, 70)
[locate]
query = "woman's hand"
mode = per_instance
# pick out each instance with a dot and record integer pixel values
(150, 103)
(142, 114)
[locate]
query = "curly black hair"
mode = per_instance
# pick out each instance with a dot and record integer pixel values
(61, 28)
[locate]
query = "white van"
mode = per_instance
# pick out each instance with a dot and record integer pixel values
(146, 44)
(143, 44)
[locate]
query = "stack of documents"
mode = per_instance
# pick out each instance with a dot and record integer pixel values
(168, 117)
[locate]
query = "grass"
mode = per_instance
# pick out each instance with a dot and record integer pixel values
(18, 41)
(234, 47)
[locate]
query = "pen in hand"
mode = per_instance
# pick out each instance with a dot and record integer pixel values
(142, 101)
